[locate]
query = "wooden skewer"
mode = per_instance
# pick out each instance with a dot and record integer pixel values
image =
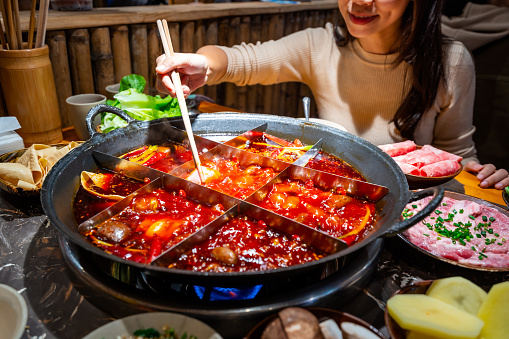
(31, 26)
(41, 23)
(9, 26)
(2, 37)
(15, 7)
(6, 23)
(168, 50)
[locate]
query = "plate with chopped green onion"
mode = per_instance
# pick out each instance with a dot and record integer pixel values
(155, 325)
(463, 231)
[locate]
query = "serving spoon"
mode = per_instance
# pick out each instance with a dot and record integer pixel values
(307, 103)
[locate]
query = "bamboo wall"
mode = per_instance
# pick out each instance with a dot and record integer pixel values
(88, 55)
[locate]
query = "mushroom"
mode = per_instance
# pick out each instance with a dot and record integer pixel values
(225, 255)
(115, 231)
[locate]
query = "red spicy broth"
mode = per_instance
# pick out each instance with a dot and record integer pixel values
(164, 158)
(151, 224)
(332, 212)
(86, 205)
(276, 148)
(326, 162)
(230, 177)
(244, 244)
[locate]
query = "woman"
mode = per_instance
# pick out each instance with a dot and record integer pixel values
(386, 74)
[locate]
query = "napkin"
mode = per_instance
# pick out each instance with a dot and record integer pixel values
(10, 140)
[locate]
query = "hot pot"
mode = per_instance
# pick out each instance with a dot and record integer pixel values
(377, 167)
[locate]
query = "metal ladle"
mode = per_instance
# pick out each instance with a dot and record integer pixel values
(307, 103)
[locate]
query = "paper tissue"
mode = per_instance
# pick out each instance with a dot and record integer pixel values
(10, 140)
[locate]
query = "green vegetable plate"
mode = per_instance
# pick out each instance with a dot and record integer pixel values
(155, 325)
(138, 105)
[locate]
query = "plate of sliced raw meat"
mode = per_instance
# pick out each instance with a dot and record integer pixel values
(424, 166)
(463, 231)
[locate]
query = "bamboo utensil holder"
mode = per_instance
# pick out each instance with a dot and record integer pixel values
(30, 94)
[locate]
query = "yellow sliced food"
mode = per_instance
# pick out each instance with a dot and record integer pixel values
(458, 292)
(90, 180)
(427, 315)
(13, 172)
(209, 174)
(495, 312)
(26, 185)
(163, 228)
(30, 159)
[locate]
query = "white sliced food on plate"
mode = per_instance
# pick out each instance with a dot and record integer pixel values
(354, 331)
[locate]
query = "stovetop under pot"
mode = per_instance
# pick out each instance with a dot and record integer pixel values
(232, 312)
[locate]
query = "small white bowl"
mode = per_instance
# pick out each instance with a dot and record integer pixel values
(111, 90)
(13, 312)
(156, 320)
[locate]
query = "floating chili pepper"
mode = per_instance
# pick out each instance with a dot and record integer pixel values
(135, 152)
(155, 249)
(278, 140)
(156, 157)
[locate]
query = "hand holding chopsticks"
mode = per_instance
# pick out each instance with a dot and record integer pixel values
(168, 50)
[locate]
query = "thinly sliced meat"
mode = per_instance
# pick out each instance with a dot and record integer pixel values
(398, 148)
(488, 246)
(443, 154)
(440, 169)
(418, 158)
(408, 169)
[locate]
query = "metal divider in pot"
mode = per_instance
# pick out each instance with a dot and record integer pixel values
(224, 152)
(376, 166)
(235, 207)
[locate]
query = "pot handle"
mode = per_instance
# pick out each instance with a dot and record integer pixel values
(438, 195)
(96, 110)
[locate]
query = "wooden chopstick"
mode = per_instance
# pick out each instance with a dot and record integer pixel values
(31, 25)
(41, 23)
(9, 26)
(2, 37)
(168, 50)
(15, 7)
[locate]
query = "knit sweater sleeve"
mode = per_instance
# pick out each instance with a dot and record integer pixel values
(271, 62)
(452, 115)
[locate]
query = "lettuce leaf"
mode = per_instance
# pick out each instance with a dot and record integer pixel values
(132, 81)
(138, 105)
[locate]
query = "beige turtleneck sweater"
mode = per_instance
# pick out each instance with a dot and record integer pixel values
(362, 91)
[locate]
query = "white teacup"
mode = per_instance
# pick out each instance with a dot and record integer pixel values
(13, 313)
(111, 90)
(79, 105)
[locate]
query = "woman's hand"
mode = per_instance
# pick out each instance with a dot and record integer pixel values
(489, 175)
(193, 70)
(208, 65)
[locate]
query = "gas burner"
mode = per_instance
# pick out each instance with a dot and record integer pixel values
(232, 311)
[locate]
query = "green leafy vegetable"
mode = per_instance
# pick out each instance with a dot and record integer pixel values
(507, 190)
(147, 333)
(138, 105)
(132, 81)
(167, 334)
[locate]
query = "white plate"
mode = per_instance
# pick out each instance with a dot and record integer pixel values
(325, 122)
(13, 313)
(156, 320)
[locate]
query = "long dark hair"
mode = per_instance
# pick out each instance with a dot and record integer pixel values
(421, 47)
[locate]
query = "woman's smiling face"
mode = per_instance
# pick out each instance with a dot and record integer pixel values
(376, 23)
